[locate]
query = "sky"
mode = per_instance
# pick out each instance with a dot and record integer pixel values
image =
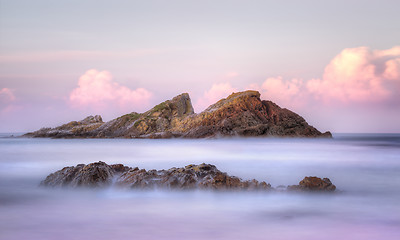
(336, 63)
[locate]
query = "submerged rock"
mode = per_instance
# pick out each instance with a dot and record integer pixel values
(314, 184)
(240, 114)
(202, 176)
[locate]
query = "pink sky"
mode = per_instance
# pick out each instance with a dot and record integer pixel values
(361, 79)
(334, 63)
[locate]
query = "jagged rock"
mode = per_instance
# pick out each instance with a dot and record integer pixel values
(314, 184)
(72, 129)
(202, 176)
(92, 175)
(240, 114)
(100, 174)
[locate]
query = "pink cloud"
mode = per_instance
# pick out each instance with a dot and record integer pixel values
(98, 90)
(359, 83)
(7, 101)
(6, 95)
(7, 98)
(356, 75)
(283, 92)
(392, 69)
(360, 75)
(216, 92)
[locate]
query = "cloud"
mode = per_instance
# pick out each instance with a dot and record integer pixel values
(98, 90)
(216, 92)
(360, 75)
(7, 99)
(358, 91)
(284, 92)
(8, 102)
(355, 76)
(6, 95)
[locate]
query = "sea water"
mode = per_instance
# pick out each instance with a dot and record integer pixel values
(364, 167)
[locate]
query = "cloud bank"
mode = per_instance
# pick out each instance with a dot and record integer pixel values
(97, 90)
(355, 76)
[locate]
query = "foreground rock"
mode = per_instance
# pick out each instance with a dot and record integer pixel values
(314, 184)
(240, 114)
(202, 176)
(98, 174)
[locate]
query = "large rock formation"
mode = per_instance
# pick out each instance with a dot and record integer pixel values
(202, 176)
(240, 114)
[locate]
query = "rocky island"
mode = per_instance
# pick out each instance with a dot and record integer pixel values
(202, 176)
(240, 114)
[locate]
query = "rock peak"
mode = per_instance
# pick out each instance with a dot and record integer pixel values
(92, 119)
(234, 98)
(247, 93)
(183, 104)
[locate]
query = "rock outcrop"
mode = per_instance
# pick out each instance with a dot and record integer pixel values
(72, 129)
(240, 114)
(100, 174)
(97, 174)
(313, 184)
(202, 176)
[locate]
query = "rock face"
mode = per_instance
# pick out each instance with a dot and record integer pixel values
(71, 129)
(96, 174)
(202, 176)
(99, 174)
(240, 114)
(314, 184)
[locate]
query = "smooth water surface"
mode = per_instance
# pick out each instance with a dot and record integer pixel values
(364, 167)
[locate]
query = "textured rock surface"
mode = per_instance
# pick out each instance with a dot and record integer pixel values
(314, 184)
(72, 129)
(202, 176)
(96, 174)
(240, 114)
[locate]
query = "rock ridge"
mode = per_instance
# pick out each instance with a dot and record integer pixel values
(201, 176)
(240, 114)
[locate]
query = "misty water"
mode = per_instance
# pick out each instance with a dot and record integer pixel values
(365, 169)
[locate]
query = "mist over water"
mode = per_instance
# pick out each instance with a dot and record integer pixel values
(364, 167)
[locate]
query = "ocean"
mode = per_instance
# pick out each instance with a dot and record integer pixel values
(364, 167)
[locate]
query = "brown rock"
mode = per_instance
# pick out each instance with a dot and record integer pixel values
(96, 174)
(314, 184)
(240, 114)
(202, 176)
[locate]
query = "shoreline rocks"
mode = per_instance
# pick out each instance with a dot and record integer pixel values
(202, 176)
(241, 114)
